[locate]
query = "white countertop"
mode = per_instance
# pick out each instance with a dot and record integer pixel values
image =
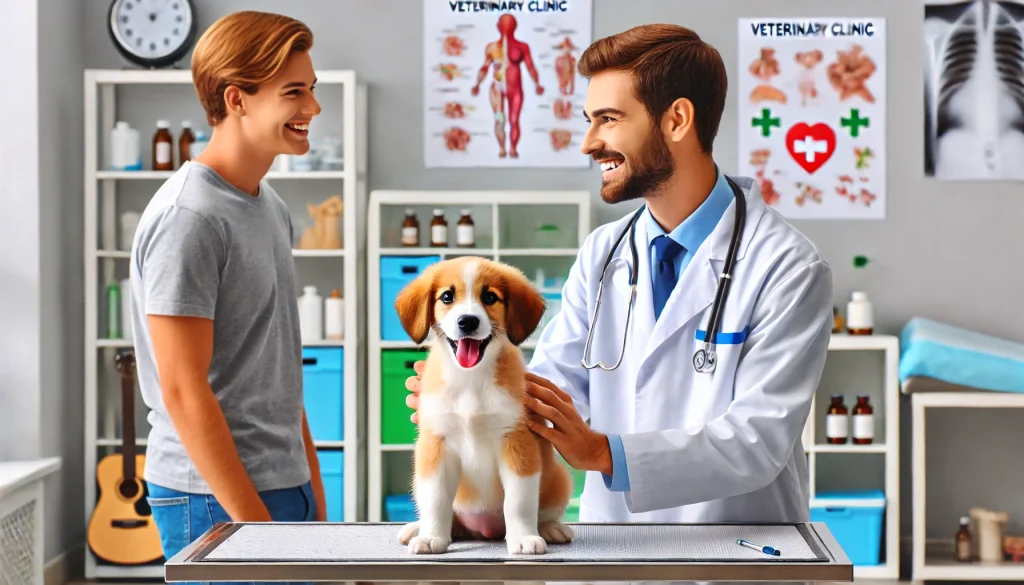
(14, 474)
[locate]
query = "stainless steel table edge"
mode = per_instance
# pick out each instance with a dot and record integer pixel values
(188, 565)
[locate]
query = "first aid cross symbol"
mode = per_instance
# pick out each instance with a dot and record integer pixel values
(810, 147)
(766, 121)
(854, 122)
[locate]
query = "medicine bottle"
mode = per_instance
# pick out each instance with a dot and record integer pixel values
(185, 142)
(863, 422)
(859, 317)
(163, 143)
(837, 428)
(438, 230)
(410, 229)
(464, 236)
(963, 541)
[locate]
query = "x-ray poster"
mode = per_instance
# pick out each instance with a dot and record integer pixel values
(500, 83)
(973, 99)
(811, 95)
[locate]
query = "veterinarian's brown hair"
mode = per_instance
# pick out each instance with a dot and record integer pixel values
(667, 62)
(243, 49)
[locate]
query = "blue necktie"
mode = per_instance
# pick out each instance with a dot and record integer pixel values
(665, 249)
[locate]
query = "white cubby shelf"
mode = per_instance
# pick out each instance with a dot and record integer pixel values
(887, 449)
(108, 97)
(499, 217)
(934, 559)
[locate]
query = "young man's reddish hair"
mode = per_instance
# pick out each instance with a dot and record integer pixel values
(668, 62)
(243, 49)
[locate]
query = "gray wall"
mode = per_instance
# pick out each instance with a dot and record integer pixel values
(938, 254)
(61, 311)
(41, 267)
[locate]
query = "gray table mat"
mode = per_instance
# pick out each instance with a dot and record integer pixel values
(632, 543)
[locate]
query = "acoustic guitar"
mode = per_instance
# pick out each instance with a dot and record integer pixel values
(121, 528)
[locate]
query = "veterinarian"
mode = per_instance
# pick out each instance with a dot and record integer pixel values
(219, 353)
(683, 427)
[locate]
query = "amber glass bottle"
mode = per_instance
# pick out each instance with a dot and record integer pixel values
(438, 230)
(163, 147)
(185, 142)
(963, 541)
(410, 229)
(863, 422)
(464, 236)
(837, 426)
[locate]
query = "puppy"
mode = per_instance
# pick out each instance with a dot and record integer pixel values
(477, 466)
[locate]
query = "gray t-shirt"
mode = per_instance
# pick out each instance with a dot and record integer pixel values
(205, 248)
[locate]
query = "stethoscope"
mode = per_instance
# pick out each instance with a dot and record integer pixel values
(705, 358)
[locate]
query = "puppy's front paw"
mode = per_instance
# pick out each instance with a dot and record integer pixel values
(556, 532)
(424, 545)
(408, 532)
(526, 544)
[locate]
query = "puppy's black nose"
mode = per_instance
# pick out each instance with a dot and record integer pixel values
(468, 323)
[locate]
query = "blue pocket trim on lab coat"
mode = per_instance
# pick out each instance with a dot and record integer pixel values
(726, 337)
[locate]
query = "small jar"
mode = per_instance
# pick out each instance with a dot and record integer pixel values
(859, 315)
(464, 235)
(837, 425)
(410, 229)
(863, 421)
(439, 230)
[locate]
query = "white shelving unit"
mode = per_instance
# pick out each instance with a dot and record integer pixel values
(933, 561)
(386, 212)
(889, 345)
(102, 256)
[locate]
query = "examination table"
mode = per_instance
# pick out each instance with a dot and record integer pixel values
(368, 551)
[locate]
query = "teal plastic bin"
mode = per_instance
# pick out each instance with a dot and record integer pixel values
(332, 472)
(855, 519)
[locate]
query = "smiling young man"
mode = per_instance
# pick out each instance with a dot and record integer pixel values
(213, 287)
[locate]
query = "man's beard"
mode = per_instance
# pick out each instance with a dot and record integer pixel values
(648, 171)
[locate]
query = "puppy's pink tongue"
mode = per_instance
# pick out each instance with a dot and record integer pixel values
(468, 352)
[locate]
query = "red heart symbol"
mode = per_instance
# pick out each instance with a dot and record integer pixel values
(810, 146)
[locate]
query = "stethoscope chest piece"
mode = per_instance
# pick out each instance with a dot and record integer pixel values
(704, 360)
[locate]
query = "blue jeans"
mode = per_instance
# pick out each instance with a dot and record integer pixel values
(181, 518)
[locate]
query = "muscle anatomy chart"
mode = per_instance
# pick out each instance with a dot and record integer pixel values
(812, 114)
(974, 90)
(501, 87)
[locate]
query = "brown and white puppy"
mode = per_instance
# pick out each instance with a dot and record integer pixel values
(475, 458)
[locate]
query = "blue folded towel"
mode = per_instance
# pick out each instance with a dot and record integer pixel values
(960, 356)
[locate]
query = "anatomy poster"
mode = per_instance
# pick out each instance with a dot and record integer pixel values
(973, 99)
(811, 110)
(501, 87)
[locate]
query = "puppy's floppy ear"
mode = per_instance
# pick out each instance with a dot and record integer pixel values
(525, 306)
(415, 305)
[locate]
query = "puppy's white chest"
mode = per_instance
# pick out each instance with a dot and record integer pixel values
(472, 416)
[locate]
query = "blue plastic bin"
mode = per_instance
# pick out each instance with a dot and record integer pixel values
(332, 471)
(395, 273)
(323, 388)
(855, 519)
(399, 508)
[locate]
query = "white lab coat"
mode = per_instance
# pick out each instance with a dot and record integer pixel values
(719, 447)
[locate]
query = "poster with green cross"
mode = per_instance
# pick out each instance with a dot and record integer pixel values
(811, 95)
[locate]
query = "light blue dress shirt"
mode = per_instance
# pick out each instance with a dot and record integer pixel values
(690, 235)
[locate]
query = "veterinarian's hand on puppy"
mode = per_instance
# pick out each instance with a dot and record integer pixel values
(580, 446)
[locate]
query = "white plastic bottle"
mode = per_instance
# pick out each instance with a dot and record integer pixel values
(859, 315)
(125, 148)
(311, 315)
(334, 322)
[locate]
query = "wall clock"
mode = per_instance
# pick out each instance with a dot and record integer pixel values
(152, 33)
